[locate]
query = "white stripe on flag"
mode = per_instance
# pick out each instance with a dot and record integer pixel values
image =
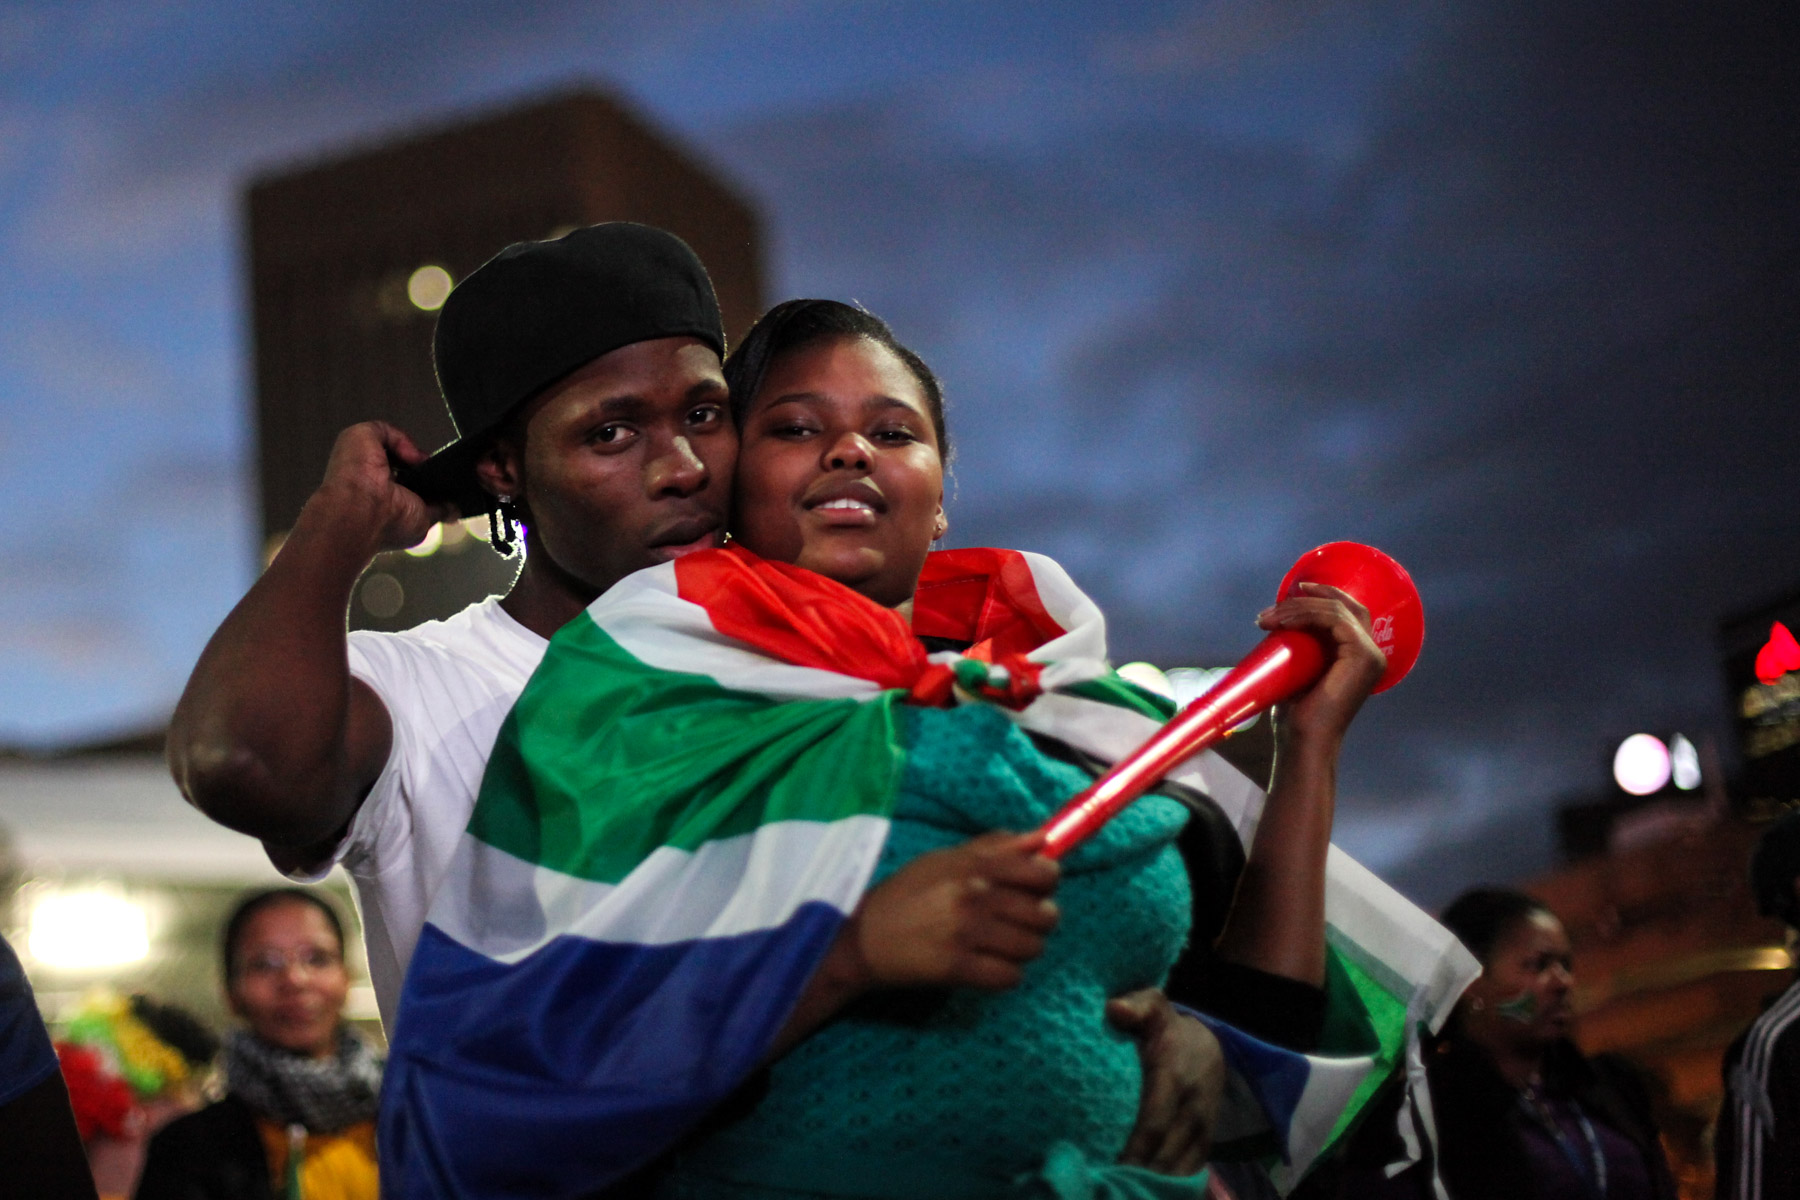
(1067, 672)
(1068, 606)
(1330, 1084)
(1110, 733)
(505, 908)
(1393, 939)
(645, 614)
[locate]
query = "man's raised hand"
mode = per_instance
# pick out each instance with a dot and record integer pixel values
(359, 480)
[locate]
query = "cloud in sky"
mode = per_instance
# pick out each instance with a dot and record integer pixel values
(1508, 313)
(1509, 289)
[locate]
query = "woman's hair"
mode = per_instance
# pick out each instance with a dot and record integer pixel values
(795, 324)
(256, 902)
(1481, 916)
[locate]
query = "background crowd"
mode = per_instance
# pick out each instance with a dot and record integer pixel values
(151, 1103)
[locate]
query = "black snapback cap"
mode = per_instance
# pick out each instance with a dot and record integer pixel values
(538, 311)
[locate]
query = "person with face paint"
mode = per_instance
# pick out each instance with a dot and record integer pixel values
(1757, 1143)
(1520, 1112)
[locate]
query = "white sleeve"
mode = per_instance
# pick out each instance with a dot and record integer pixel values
(380, 824)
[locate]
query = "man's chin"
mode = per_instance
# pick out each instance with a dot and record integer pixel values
(709, 541)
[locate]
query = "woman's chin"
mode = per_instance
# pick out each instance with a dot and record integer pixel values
(309, 1039)
(853, 566)
(867, 570)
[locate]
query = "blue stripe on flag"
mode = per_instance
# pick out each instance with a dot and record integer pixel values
(1276, 1077)
(566, 1071)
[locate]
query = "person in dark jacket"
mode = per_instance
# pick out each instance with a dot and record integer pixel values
(38, 1139)
(1519, 1111)
(1757, 1144)
(297, 1119)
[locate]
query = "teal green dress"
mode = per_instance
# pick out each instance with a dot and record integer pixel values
(969, 1094)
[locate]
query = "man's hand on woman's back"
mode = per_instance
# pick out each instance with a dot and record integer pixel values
(1184, 1080)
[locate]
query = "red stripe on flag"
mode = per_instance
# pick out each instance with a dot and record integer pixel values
(986, 598)
(800, 617)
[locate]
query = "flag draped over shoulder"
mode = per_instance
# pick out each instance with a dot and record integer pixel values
(687, 802)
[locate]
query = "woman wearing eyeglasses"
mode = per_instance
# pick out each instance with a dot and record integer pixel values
(297, 1119)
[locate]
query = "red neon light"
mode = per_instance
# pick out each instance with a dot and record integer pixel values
(1779, 656)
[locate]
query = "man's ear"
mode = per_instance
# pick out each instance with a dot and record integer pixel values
(499, 470)
(940, 524)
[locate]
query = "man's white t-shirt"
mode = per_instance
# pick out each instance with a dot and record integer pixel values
(447, 686)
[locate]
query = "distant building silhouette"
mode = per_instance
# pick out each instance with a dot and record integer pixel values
(343, 298)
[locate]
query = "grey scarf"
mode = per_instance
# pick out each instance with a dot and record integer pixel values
(323, 1094)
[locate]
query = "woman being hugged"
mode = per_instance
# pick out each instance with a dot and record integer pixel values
(773, 731)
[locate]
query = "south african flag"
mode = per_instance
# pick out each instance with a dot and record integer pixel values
(682, 809)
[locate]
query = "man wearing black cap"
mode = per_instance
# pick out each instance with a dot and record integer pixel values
(583, 377)
(1757, 1143)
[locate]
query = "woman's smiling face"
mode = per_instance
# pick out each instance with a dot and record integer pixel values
(839, 469)
(289, 983)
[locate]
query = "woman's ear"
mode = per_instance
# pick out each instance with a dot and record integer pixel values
(940, 524)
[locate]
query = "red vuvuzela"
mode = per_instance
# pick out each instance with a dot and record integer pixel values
(1287, 663)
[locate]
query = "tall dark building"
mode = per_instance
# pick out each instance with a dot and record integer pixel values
(350, 257)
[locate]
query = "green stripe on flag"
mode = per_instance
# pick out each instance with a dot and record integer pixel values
(1362, 1018)
(1121, 693)
(604, 759)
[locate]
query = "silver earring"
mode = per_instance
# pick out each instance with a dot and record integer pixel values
(500, 524)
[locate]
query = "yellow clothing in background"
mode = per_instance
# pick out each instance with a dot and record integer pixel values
(334, 1166)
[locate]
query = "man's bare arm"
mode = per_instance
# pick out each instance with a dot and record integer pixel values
(272, 736)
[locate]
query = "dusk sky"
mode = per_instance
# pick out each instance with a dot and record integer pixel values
(1508, 288)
